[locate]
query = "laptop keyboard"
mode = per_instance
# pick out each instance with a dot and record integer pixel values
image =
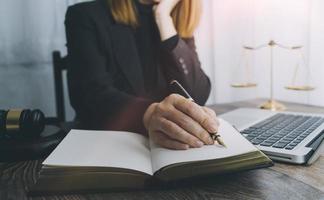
(282, 131)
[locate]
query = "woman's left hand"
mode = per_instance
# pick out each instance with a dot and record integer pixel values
(162, 12)
(163, 8)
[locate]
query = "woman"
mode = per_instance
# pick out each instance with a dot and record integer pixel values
(123, 55)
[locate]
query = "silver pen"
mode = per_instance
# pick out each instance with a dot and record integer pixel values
(179, 89)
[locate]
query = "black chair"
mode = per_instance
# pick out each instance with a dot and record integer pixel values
(59, 66)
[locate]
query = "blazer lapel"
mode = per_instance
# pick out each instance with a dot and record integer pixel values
(126, 54)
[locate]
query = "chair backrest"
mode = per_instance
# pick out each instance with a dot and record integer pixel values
(59, 65)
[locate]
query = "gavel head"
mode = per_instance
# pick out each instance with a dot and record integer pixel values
(21, 123)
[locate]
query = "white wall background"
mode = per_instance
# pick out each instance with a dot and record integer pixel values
(29, 32)
(227, 25)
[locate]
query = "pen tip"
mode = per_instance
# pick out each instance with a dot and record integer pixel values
(221, 142)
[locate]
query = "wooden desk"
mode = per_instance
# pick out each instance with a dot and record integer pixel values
(282, 181)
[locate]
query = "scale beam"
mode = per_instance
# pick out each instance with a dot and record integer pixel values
(272, 104)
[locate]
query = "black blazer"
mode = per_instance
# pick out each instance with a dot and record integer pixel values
(105, 77)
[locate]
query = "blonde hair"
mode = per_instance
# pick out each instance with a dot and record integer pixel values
(186, 15)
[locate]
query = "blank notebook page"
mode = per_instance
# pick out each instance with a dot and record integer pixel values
(81, 148)
(235, 142)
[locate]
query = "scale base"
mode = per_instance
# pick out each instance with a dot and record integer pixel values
(273, 105)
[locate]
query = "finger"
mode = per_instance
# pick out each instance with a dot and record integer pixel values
(154, 8)
(177, 133)
(212, 114)
(148, 114)
(209, 111)
(194, 111)
(190, 125)
(165, 141)
(156, 2)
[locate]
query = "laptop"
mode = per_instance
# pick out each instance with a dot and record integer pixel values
(284, 136)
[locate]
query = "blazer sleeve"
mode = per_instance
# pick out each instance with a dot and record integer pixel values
(181, 62)
(91, 88)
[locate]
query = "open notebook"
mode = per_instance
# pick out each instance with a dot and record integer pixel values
(99, 160)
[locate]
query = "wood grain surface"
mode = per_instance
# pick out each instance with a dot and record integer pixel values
(283, 181)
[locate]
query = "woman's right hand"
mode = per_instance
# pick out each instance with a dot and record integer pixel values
(178, 123)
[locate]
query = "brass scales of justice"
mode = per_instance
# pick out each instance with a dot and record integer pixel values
(272, 104)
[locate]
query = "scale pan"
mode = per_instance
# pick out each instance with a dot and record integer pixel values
(300, 88)
(244, 85)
